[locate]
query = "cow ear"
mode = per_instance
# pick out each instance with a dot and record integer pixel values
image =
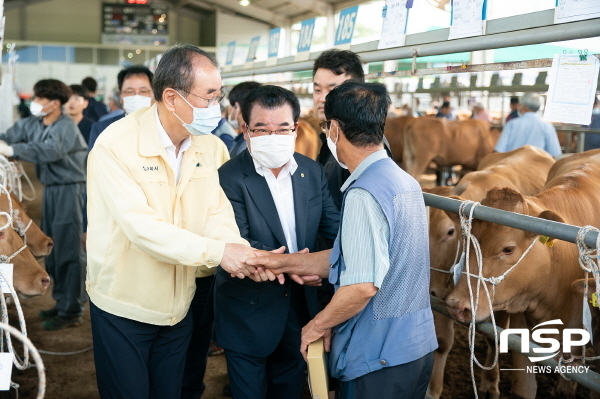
(461, 188)
(549, 215)
(578, 286)
(454, 216)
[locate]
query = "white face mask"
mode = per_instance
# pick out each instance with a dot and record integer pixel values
(274, 150)
(205, 119)
(233, 120)
(333, 148)
(37, 109)
(133, 103)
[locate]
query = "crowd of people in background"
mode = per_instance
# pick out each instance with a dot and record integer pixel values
(178, 183)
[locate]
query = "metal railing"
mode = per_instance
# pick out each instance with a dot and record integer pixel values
(561, 231)
(589, 379)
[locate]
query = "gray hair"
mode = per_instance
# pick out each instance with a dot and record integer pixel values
(176, 69)
(532, 101)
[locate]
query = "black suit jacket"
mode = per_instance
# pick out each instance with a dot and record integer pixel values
(250, 317)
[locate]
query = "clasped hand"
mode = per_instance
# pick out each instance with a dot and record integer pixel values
(234, 262)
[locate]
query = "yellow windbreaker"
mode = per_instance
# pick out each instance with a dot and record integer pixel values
(147, 235)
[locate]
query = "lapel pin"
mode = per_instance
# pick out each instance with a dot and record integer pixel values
(301, 174)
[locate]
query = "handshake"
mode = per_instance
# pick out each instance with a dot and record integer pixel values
(244, 261)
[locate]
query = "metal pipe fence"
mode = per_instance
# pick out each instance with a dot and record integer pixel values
(589, 380)
(561, 231)
(532, 224)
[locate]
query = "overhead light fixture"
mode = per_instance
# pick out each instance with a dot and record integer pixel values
(245, 3)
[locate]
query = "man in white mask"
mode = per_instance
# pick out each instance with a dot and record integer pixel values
(159, 225)
(135, 88)
(51, 140)
(280, 199)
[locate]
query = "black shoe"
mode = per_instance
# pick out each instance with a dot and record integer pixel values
(48, 314)
(59, 323)
(227, 391)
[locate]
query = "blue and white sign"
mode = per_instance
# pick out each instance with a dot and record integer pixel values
(252, 49)
(230, 53)
(306, 34)
(345, 28)
(274, 37)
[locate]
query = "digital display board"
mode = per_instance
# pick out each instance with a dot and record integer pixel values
(135, 23)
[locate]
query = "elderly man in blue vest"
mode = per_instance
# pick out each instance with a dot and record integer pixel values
(379, 324)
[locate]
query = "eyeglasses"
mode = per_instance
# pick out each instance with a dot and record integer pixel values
(264, 132)
(141, 92)
(326, 126)
(209, 101)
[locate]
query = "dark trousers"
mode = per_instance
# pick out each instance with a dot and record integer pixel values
(197, 352)
(282, 373)
(406, 381)
(137, 360)
(62, 220)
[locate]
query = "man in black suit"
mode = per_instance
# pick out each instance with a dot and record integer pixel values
(280, 198)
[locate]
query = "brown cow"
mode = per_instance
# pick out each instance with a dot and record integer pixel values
(447, 143)
(394, 133)
(497, 169)
(28, 276)
(38, 243)
(307, 140)
(540, 286)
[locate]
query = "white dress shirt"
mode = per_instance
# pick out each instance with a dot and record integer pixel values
(282, 192)
(173, 158)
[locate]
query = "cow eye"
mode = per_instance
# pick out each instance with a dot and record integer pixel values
(508, 250)
(451, 231)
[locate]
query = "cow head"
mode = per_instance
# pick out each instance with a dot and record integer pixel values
(38, 243)
(444, 238)
(28, 276)
(501, 248)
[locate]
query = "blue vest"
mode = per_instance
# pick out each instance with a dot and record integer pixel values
(396, 326)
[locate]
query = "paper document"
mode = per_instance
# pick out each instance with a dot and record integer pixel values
(6, 277)
(466, 18)
(6, 363)
(576, 10)
(393, 31)
(572, 89)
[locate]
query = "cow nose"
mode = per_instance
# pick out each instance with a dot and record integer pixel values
(50, 245)
(459, 311)
(433, 292)
(45, 282)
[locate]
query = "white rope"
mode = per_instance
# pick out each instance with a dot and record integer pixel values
(589, 262)
(466, 224)
(456, 257)
(28, 345)
(10, 177)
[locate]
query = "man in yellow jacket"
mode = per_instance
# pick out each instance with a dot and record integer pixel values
(157, 216)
